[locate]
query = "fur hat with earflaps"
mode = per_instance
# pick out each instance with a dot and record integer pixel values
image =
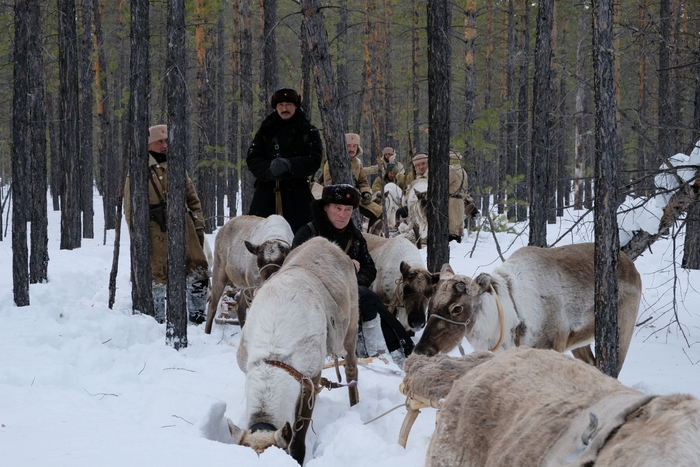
(157, 132)
(285, 95)
(341, 194)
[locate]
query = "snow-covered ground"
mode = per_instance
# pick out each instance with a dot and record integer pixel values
(82, 385)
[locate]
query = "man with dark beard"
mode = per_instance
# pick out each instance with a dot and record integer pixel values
(196, 263)
(285, 152)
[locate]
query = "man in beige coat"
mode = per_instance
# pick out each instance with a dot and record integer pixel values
(368, 208)
(458, 192)
(196, 263)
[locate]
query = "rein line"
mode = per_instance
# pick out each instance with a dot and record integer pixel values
(501, 321)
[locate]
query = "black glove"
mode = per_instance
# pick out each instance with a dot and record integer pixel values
(366, 198)
(280, 169)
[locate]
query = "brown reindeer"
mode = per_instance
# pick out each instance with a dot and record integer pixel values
(533, 407)
(539, 297)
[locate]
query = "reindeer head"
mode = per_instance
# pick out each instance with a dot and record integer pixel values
(417, 290)
(451, 311)
(262, 438)
(269, 256)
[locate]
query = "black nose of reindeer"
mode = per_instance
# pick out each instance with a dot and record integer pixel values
(423, 348)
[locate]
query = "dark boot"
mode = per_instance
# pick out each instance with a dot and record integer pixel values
(159, 292)
(197, 300)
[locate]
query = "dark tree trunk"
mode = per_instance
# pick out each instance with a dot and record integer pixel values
(541, 124)
(55, 154)
(68, 117)
(205, 174)
(107, 155)
(176, 84)
(389, 125)
(327, 92)
(234, 170)
(439, 17)
(522, 193)
(580, 120)
(268, 60)
(246, 103)
(563, 185)
(510, 128)
(607, 241)
(470, 33)
(305, 72)
(415, 75)
(85, 133)
(21, 151)
(342, 67)
(665, 144)
(139, 85)
(221, 98)
(39, 250)
(691, 247)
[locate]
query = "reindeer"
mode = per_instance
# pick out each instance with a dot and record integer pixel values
(539, 297)
(247, 250)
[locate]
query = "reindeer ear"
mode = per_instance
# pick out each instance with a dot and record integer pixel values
(480, 284)
(435, 277)
(236, 433)
(404, 268)
(283, 436)
(446, 271)
(252, 248)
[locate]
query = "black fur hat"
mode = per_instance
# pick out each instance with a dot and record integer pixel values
(341, 194)
(285, 95)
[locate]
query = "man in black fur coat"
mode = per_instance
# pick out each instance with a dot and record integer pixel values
(332, 219)
(285, 152)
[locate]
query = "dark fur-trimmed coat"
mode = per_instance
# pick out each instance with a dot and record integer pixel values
(350, 240)
(300, 142)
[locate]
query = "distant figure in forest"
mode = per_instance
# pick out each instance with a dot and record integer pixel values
(368, 208)
(285, 152)
(196, 263)
(388, 157)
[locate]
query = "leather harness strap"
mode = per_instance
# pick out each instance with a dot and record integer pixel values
(323, 383)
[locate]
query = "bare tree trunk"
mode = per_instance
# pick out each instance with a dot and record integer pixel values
(522, 188)
(85, 133)
(39, 249)
(246, 103)
(268, 60)
(388, 139)
(645, 185)
(665, 112)
(581, 129)
(107, 158)
(205, 175)
(139, 85)
(541, 124)
(21, 150)
(68, 117)
(553, 150)
(563, 180)
(470, 33)
(305, 72)
(176, 66)
(342, 67)
(439, 18)
(511, 164)
(55, 154)
(691, 246)
(607, 241)
(220, 101)
(234, 160)
(327, 92)
(415, 75)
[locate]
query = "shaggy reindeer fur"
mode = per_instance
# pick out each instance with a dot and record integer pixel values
(305, 312)
(415, 228)
(547, 296)
(243, 247)
(401, 271)
(516, 408)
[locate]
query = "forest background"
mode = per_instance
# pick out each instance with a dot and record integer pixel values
(239, 52)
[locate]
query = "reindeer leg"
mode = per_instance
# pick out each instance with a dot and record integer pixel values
(584, 354)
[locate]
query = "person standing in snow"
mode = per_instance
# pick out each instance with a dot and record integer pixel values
(285, 152)
(380, 330)
(196, 263)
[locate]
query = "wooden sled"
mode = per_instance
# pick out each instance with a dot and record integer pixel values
(414, 404)
(227, 309)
